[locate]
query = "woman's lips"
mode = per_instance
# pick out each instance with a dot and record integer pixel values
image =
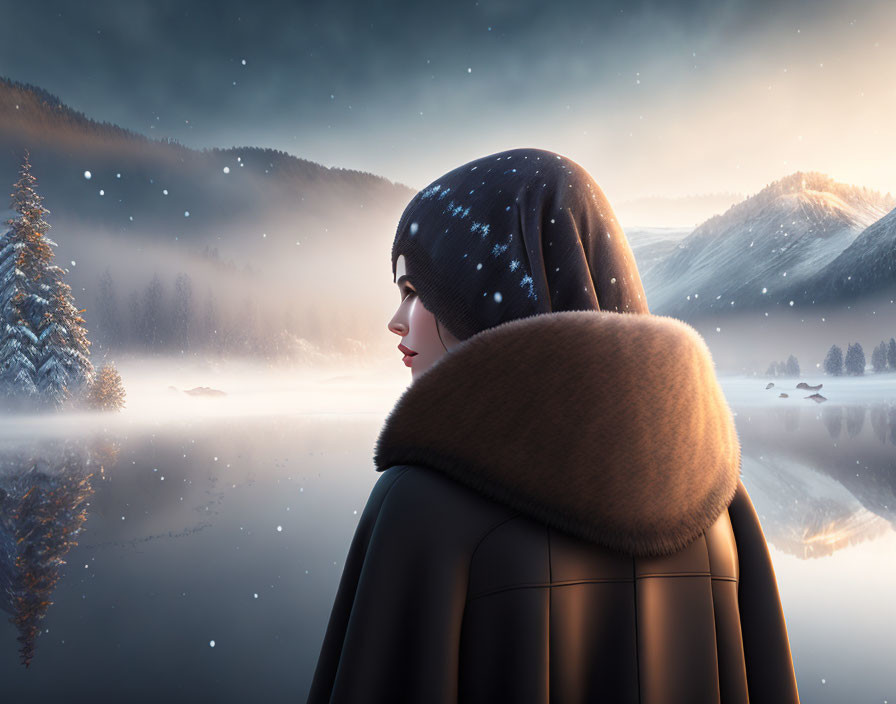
(408, 353)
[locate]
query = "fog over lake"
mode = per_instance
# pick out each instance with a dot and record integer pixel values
(226, 519)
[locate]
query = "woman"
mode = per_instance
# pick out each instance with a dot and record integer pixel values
(560, 516)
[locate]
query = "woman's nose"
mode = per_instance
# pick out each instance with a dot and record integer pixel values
(398, 328)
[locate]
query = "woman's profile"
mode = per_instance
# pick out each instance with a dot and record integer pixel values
(560, 516)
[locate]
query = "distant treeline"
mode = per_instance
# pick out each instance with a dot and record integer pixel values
(883, 358)
(161, 318)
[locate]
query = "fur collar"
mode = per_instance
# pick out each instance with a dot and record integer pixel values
(609, 426)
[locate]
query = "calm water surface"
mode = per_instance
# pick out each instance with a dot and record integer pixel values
(233, 531)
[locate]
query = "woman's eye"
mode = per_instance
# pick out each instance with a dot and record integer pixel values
(408, 292)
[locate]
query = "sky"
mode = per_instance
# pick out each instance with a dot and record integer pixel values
(654, 98)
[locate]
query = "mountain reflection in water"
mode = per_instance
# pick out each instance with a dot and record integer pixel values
(237, 529)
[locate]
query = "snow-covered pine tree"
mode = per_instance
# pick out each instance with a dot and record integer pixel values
(65, 370)
(18, 345)
(891, 354)
(833, 363)
(17, 339)
(107, 392)
(43, 353)
(854, 363)
(879, 357)
(792, 366)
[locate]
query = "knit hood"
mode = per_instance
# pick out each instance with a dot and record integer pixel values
(609, 426)
(514, 234)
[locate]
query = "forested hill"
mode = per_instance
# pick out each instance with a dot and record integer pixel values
(134, 171)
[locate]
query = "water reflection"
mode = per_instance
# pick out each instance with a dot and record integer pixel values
(237, 529)
(855, 419)
(44, 492)
(821, 479)
(833, 420)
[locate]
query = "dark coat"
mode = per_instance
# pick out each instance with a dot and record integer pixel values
(560, 519)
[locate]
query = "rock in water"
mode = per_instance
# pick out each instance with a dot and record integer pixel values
(769, 386)
(805, 386)
(204, 391)
(783, 395)
(818, 398)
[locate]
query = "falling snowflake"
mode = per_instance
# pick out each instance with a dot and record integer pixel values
(87, 175)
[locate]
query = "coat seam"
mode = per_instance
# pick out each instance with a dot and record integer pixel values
(550, 604)
(547, 585)
(637, 634)
(487, 533)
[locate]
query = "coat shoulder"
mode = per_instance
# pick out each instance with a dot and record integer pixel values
(426, 506)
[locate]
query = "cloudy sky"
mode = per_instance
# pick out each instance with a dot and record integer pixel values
(666, 98)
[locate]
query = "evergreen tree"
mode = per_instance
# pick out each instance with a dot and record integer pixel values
(65, 370)
(182, 317)
(855, 359)
(792, 366)
(108, 319)
(18, 342)
(44, 358)
(211, 324)
(107, 392)
(136, 326)
(879, 357)
(152, 314)
(772, 369)
(891, 354)
(833, 363)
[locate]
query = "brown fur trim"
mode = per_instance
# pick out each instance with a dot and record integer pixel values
(610, 426)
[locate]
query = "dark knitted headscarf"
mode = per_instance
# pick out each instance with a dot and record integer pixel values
(515, 234)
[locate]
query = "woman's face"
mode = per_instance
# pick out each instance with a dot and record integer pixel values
(423, 339)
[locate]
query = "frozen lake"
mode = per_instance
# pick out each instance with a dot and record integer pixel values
(227, 520)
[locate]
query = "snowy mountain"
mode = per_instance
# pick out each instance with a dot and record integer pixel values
(866, 266)
(757, 250)
(651, 245)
